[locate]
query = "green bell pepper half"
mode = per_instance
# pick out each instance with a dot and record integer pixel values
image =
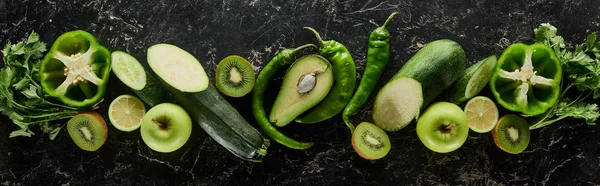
(76, 69)
(527, 78)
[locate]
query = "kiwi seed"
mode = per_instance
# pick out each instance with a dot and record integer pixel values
(511, 134)
(370, 141)
(88, 130)
(235, 76)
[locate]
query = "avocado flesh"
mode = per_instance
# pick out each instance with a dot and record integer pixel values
(289, 103)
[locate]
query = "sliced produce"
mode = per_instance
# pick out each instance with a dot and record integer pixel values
(482, 114)
(126, 112)
(397, 104)
(473, 80)
(144, 84)
(166, 127)
(436, 66)
(370, 142)
(76, 69)
(282, 60)
(344, 72)
(88, 130)
(377, 57)
(185, 78)
(235, 76)
(527, 78)
(305, 84)
(582, 67)
(443, 127)
(511, 134)
(21, 96)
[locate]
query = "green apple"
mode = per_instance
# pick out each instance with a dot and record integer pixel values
(443, 127)
(166, 127)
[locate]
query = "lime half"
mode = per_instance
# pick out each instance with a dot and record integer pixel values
(126, 112)
(482, 114)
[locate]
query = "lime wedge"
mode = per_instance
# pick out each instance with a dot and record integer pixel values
(482, 114)
(126, 113)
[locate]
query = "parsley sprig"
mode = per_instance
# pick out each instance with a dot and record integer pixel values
(21, 97)
(582, 69)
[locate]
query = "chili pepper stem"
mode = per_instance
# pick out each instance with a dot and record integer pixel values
(316, 34)
(389, 19)
(300, 48)
(348, 124)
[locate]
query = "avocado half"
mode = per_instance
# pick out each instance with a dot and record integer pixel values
(305, 84)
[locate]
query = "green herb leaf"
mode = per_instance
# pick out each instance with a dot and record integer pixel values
(21, 132)
(31, 92)
(579, 110)
(22, 84)
(33, 37)
(591, 41)
(544, 33)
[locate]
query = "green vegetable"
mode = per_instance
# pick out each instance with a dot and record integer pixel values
(436, 66)
(582, 69)
(280, 61)
(344, 72)
(76, 69)
(143, 83)
(473, 80)
(186, 79)
(378, 54)
(527, 78)
(21, 96)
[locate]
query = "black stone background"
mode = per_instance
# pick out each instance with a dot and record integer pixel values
(562, 154)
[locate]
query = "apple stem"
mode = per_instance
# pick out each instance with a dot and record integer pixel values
(158, 123)
(448, 127)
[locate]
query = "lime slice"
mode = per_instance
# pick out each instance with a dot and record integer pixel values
(482, 114)
(126, 113)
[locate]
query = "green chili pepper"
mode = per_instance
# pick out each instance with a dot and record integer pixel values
(280, 61)
(377, 57)
(76, 69)
(344, 71)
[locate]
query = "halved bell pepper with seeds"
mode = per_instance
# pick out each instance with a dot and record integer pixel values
(527, 78)
(76, 69)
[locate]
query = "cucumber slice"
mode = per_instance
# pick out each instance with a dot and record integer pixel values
(397, 104)
(129, 70)
(473, 80)
(177, 68)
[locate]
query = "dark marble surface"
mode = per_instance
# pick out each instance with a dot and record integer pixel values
(566, 153)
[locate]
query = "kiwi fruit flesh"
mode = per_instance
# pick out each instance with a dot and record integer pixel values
(305, 84)
(370, 141)
(88, 130)
(235, 76)
(511, 134)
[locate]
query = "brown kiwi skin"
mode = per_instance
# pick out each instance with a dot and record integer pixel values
(495, 135)
(221, 86)
(97, 117)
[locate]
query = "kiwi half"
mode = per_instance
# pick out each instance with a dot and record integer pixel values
(511, 134)
(235, 76)
(370, 141)
(88, 130)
